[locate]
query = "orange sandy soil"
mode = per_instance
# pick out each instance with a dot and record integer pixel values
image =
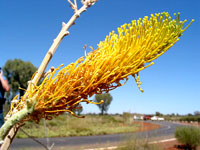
(146, 126)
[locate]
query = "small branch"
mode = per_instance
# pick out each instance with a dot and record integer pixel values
(84, 47)
(64, 32)
(34, 139)
(73, 5)
(47, 138)
(48, 72)
(88, 2)
(83, 1)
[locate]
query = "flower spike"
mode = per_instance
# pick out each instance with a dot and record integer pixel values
(123, 53)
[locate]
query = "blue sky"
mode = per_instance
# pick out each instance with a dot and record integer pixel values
(27, 29)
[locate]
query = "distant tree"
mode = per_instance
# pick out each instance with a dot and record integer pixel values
(79, 110)
(158, 114)
(107, 98)
(18, 74)
(197, 113)
(172, 114)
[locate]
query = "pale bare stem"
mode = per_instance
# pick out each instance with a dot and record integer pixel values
(89, 2)
(73, 5)
(56, 42)
(84, 47)
(82, 1)
(49, 71)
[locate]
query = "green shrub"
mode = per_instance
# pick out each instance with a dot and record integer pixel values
(190, 118)
(189, 136)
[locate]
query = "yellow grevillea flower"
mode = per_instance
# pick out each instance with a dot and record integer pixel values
(121, 54)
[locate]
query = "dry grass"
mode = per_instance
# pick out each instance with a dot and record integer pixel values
(66, 125)
(134, 143)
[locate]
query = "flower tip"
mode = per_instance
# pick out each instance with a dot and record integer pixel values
(142, 91)
(101, 101)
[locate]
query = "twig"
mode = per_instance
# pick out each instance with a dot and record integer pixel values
(64, 32)
(75, 3)
(84, 47)
(74, 6)
(34, 139)
(49, 71)
(47, 137)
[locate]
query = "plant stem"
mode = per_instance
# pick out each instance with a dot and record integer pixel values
(12, 121)
(16, 118)
(64, 31)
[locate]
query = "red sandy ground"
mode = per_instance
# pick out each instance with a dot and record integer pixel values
(146, 126)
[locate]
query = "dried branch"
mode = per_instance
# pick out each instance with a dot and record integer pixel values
(73, 5)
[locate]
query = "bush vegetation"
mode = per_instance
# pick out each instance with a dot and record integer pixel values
(190, 118)
(188, 136)
(67, 125)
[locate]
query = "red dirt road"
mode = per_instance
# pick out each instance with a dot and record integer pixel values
(146, 126)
